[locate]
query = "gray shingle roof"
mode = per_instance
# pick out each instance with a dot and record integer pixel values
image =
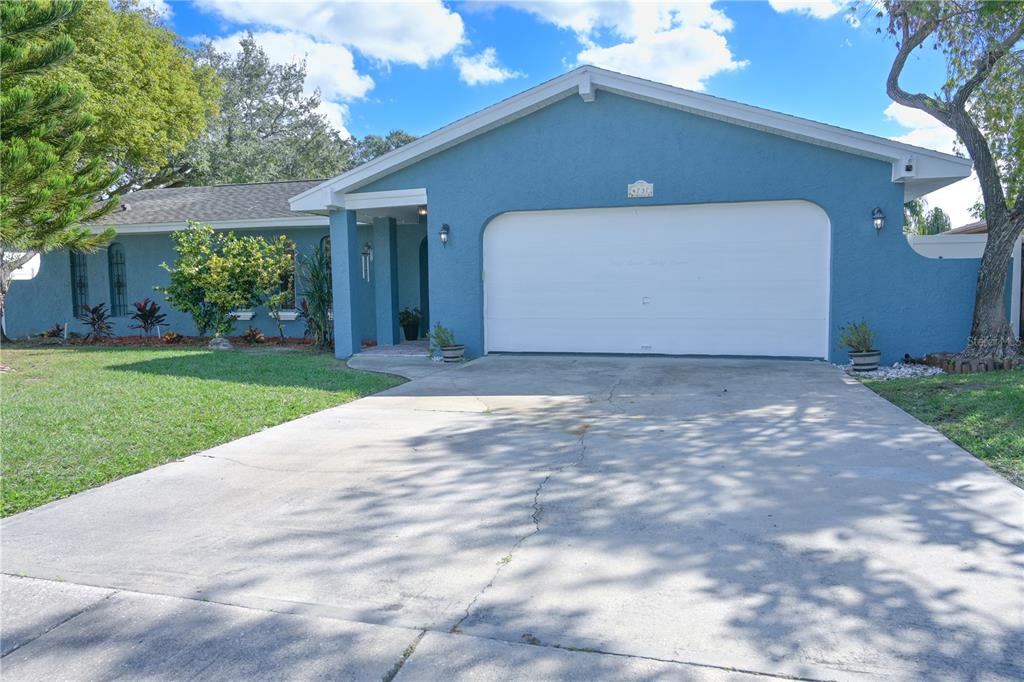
(208, 204)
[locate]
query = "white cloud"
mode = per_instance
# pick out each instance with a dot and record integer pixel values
(925, 131)
(162, 8)
(329, 68)
(819, 9)
(682, 56)
(957, 199)
(389, 32)
(327, 32)
(336, 114)
(675, 42)
(483, 68)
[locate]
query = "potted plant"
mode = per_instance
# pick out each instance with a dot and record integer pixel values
(860, 339)
(444, 338)
(410, 320)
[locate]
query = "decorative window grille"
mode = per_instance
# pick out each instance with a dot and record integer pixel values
(79, 284)
(118, 285)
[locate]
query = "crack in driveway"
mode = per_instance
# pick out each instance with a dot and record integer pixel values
(535, 516)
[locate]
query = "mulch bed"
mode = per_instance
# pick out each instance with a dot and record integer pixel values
(135, 341)
(951, 364)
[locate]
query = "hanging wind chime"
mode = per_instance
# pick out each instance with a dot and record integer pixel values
(367, 254)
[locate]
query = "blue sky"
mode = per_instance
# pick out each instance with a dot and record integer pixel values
(420, 65)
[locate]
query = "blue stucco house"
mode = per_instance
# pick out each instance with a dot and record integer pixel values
(53, 290)
(599, 212)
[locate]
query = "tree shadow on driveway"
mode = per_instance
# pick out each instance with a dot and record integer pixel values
(761, 516)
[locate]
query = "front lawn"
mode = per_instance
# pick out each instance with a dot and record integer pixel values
(74, 418)
(983, 413)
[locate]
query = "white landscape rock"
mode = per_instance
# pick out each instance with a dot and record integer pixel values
(897, 370)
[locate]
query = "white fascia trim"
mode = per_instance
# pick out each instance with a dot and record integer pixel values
(260, 224)
(769, 121)
(930, 166)
(392, 198)
(493, 116)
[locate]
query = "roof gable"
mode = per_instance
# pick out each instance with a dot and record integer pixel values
(919, 170)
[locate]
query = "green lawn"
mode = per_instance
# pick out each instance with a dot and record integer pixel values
(74, 418)
(983, 413)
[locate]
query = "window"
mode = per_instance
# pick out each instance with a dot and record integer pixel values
(118, 287)
(288, 285)
(79, 284)
(325, 249)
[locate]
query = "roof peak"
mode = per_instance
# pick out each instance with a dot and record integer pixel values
(920, 170)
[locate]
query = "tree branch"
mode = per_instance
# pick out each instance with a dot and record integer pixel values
(985, 64)
(892, 86)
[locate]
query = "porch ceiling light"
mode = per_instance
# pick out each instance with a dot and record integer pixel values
(422, 210)
(878, 219)
(444, 234)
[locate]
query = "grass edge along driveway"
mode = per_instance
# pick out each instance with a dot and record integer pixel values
(983, 413)
(76, 418)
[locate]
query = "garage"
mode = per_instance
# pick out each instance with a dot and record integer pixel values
(602, 213)
(711, 279)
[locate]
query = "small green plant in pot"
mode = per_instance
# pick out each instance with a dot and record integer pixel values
(410, 320)
(860, 339)
(444, 339)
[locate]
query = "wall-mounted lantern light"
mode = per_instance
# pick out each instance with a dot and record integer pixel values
(444, 234)
(422, 210)
(878, 219)
(367, 254)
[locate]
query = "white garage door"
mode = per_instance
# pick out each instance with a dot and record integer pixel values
(712, 279)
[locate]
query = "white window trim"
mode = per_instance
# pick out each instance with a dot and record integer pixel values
(286, 315)
(244, 315)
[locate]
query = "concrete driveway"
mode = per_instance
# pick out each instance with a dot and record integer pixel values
(538, 518)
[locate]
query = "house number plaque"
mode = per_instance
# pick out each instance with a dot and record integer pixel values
(640, 190)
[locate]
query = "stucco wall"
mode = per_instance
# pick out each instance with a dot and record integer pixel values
(574, 154)
(36, 304)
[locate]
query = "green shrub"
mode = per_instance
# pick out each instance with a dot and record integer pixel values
(217, 272)
(442, 337)
(858, 337)
(315, 309)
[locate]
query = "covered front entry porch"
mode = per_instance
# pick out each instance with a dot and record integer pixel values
(381, 238)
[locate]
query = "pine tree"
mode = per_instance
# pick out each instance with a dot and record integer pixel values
(47, 188)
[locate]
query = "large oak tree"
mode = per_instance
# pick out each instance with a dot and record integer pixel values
(982, 100)
(267, 128)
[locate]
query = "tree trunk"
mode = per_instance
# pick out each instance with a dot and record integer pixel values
(991, 333)
(3, 299)
(7, 267)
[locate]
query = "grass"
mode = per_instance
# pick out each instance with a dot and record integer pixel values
(75, 418)
(982, 413)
